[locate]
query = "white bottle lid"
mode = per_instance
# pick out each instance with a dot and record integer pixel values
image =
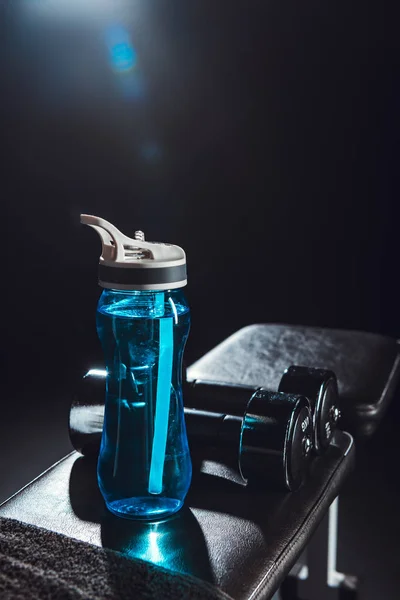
(134, 264)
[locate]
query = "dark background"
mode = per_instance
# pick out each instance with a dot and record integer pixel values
(261, 135)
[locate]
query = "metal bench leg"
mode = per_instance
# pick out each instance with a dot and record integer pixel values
(318, 578)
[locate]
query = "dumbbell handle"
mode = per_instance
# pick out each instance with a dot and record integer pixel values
(212, 429)
(217, 396)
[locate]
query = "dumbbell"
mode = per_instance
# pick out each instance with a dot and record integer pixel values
(318, 385)
(272, 437)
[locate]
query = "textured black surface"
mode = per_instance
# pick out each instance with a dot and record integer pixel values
(243, 542)
(36, 564)
(240, 540)
(367, 365)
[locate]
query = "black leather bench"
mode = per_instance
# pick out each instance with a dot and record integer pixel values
(367, 365)
(243, 542)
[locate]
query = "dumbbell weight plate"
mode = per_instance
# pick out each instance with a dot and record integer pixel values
(320, 387)
(276, 439)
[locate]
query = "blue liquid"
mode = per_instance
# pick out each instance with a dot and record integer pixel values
(144, 468)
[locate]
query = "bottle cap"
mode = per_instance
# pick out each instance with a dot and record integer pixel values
(134, 264)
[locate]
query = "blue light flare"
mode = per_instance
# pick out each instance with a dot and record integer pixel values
(122, 54)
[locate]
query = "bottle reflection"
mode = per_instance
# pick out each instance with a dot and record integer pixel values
(176, 544)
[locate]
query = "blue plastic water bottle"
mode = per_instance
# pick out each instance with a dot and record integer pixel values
(143, 320)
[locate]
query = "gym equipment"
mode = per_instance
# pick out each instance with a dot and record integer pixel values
(272, 439)
(318, 385)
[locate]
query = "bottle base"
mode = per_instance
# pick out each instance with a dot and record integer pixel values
(145, 508)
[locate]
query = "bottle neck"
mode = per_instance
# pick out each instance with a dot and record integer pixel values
(143, 302)
(148, 293)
